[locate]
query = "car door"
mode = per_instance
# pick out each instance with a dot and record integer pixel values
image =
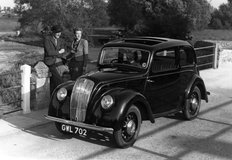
(187, 63)
(162, 88)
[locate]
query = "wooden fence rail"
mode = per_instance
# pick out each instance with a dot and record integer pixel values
(207, 57)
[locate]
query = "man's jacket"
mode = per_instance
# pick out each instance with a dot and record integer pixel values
(51, 50)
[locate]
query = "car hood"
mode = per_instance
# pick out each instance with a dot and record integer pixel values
(107, 76)
(87, 85)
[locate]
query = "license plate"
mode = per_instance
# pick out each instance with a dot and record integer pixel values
(74, 129)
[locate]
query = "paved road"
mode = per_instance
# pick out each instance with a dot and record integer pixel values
(207, 137)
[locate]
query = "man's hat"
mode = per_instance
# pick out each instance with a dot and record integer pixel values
(56, 29)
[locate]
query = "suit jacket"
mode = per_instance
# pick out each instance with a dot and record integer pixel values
(51, 50)
(80, 50)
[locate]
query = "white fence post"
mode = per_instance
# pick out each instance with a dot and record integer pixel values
(25, 91)
(216, 58)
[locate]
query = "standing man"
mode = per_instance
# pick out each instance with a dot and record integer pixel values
(79, 54)
(54, 50)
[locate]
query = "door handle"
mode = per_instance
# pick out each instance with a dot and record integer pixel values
(151, 81)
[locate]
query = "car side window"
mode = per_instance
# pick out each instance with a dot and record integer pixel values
(186, 56)
(164, 60)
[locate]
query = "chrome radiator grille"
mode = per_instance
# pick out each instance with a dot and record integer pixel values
(80, 98)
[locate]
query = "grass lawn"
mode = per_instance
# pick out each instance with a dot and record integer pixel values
(210, 34)
(8, 24)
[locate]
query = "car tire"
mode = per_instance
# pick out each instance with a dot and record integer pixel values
(192, 106)
(58, 127)
(127, 134)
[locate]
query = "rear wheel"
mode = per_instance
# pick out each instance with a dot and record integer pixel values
(127, 134)
(192, 106)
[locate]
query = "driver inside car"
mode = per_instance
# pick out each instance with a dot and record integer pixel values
(134, 58)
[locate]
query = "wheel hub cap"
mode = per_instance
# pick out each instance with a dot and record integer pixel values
(130, 127)
(194, 104)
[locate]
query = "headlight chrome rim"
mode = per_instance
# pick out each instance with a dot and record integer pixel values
(62, 94)
(107, 102)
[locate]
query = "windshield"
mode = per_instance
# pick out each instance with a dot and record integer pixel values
(131, 57)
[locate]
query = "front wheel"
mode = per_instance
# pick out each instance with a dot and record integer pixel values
(192, 106)
(127, 134)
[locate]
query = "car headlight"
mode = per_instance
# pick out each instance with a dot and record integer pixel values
(61, 94)
(107, 101)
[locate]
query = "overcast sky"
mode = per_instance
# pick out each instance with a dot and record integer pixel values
(7, 3)
(10, 3)
(217, 3)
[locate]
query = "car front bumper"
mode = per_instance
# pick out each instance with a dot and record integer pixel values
(80, 124)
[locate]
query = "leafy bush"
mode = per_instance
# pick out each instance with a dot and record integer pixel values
(9, 79)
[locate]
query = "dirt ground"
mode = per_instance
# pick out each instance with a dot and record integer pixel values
(221, 78)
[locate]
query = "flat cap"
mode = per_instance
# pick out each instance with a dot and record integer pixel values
(56, 29)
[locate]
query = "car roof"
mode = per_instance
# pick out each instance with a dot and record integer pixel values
(148, 43)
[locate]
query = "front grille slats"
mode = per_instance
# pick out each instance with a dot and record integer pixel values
(80, 99)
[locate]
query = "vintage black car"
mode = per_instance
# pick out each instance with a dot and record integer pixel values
(137, 79)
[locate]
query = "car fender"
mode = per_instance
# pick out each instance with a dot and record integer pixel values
(54, 104)
(123, 98)
(197, 81)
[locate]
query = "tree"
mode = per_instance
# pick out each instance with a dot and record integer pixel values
(169, 18)
(124, 13)
(165, 18)
(222, 17)
(199, 12)
(67, 13)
